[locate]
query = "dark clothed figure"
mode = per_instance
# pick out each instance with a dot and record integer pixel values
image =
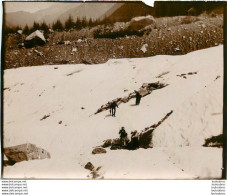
(113, 106)
(123, 136)
(138, 97)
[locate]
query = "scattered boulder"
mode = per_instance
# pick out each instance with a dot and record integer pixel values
(89, 166)
(61, 42)
(144, 48)
(184, 75)
(177, 49)
(141, 22)
(218, 77)
(79, 40)
(86, 61)
(25, 152)
(74, 49)
(107, 143)
(34, 39)
(20, 32)
(38, 53)
(98, 151)
(44, 117)
(214, 141)
(20, 45)
(145, 138)
(67, 42)
(51, 31)
(192, 11)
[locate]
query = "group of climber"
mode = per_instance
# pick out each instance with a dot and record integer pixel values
(133, 144)
(113, 105)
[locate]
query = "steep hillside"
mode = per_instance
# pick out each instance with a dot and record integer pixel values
(53, 107)
(90, 10)
(127, 11)
(20, 18)
(49, 15)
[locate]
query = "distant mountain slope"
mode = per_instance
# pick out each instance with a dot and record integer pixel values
(91, 10)
(20, 18)
(129, 10)
(49, 15)
(62, 11)
(161, 9)
(113, 11)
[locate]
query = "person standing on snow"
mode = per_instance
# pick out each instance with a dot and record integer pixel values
(138, 97)
(113, 106)
(123, 136)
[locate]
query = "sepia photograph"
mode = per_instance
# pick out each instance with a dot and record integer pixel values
(112, 90)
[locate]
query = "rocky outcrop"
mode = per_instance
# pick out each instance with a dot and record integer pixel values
(144, 90)
(144, 138)
(214, 141)
(185, 75)
(89, 166)
(139, 23)
(34, 39)
(98, 151)
(25, 152)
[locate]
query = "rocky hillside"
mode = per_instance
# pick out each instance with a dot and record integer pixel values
(165, 36)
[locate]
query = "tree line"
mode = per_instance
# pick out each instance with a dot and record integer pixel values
(69, 24)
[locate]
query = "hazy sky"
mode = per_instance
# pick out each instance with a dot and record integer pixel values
(26, 6)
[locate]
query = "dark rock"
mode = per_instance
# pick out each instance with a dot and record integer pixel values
(124, 100)
(60, 42)
(192, 11)
(214, 141)
(107, 143)
(98, 151)
(144, 90)
(25, 152)
(20, 45)
(34, 39)
(89, 166)
(145, 139)
(60, 122)
(44, 117)
(86, 61)
(65, 61)
(115, 147)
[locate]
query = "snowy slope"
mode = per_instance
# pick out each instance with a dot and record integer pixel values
(61, 91)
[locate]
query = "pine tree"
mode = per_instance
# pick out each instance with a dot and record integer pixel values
(26, 30)
(58, 26)
(35, 26)
(69, 24)
(84, 22)
(78, 23)
(44, 27)
(90, 23)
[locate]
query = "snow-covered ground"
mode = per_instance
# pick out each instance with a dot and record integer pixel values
(61, 91)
